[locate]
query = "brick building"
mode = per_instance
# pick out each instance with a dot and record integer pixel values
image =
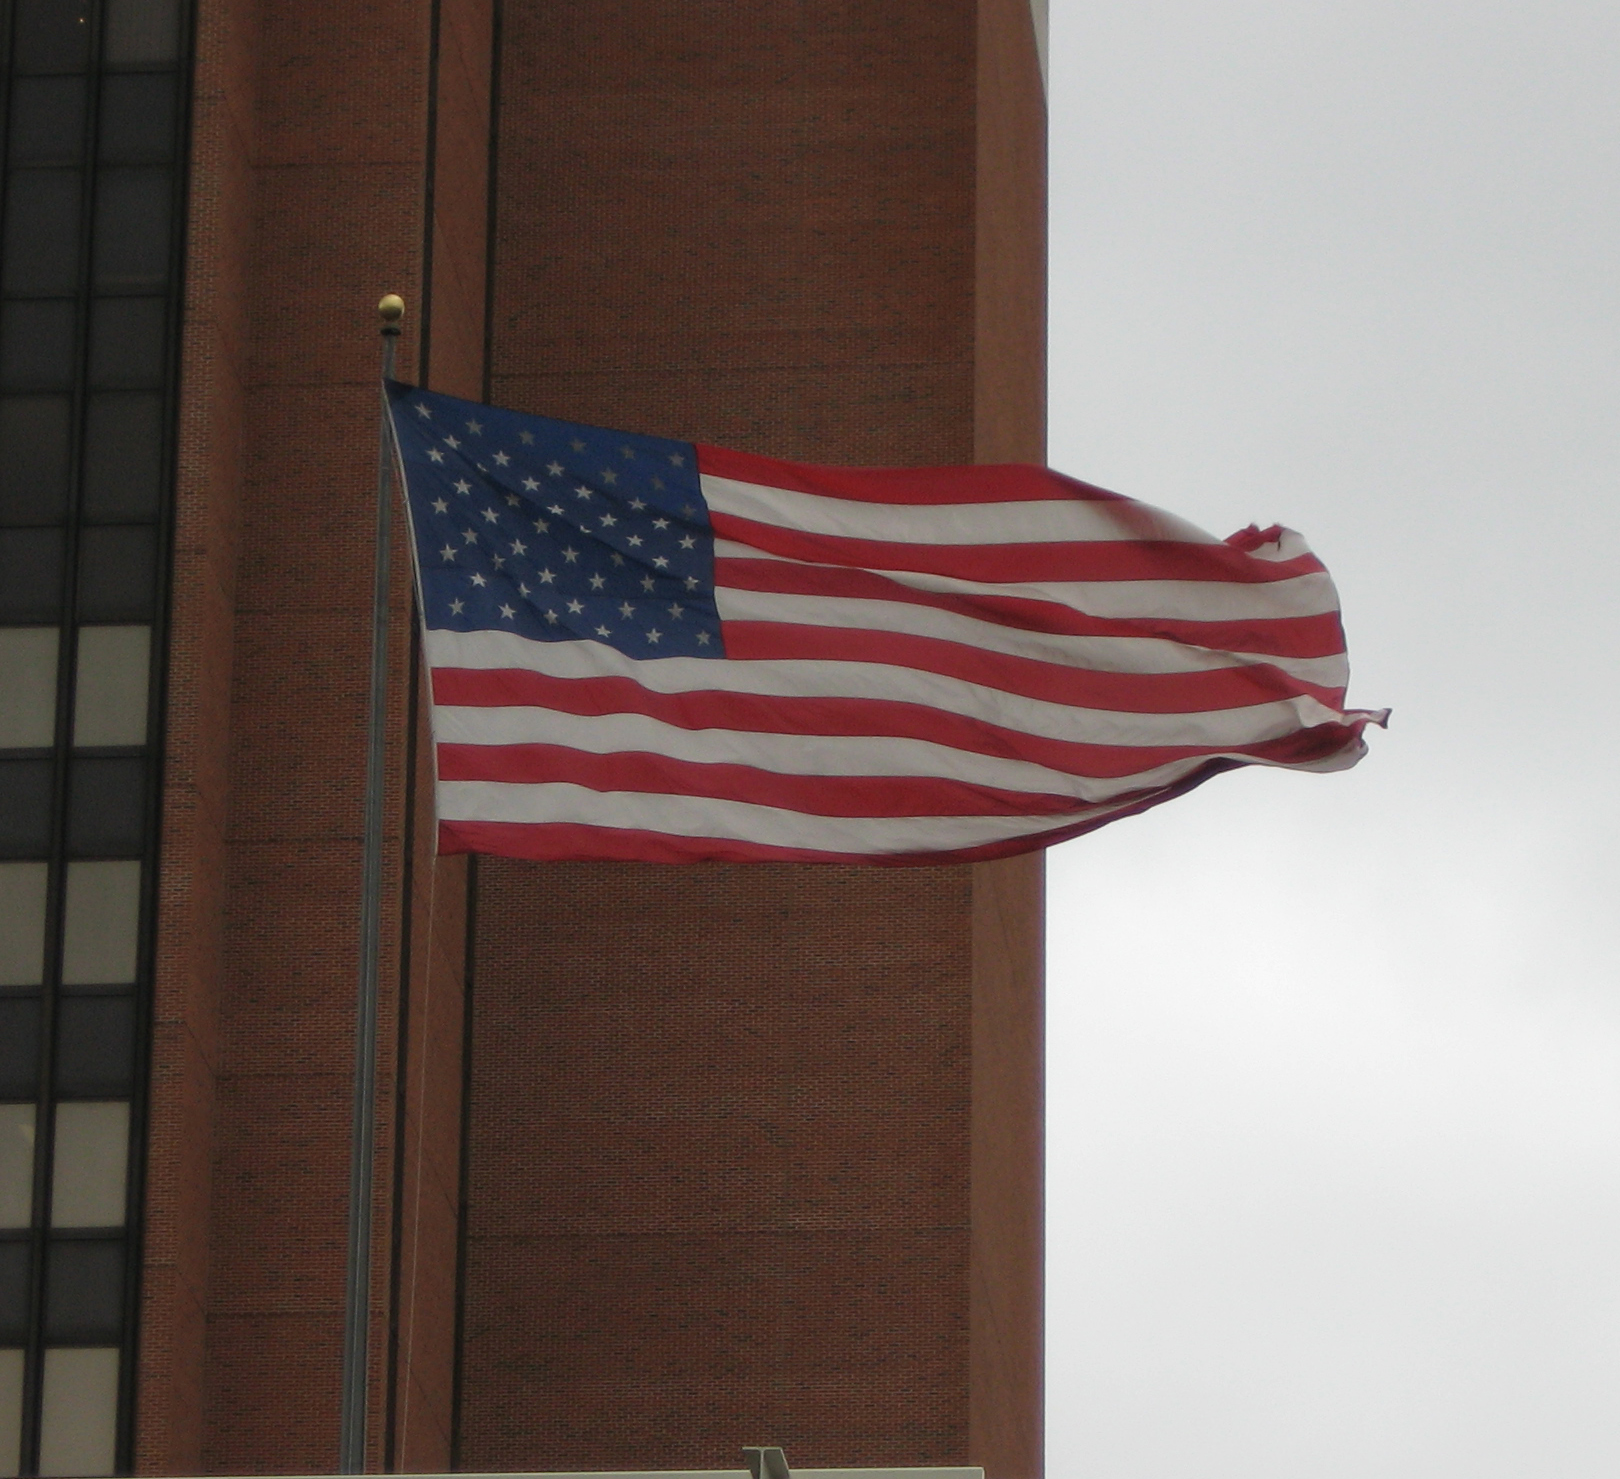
(669, 1159)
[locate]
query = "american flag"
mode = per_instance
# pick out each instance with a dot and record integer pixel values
(655, 650)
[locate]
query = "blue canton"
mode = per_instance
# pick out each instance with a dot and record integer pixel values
(558, 532)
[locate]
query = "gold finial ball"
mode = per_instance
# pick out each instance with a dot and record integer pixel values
(391, 309)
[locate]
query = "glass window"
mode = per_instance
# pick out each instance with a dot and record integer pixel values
(109, 695)
(133, 211)
(123, 455)
(141, 32)
(11, 1385)
(25, 808)
(14, 1270)
(19, 1049)
(95, 1045)
(33, 458)
(100, 923)
(106, 806)
(30, 573)
(78, 1427)
(126, 342)
(47, 120)
(28, 681)
(42, 233)
(117, 572)
(52, 35)
(36, 344)
(84, 1289)
(16, 1165)
(89, 1162)
(22, 923)
(137, 118)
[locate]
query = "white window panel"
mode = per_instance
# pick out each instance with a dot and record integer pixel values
(109, 693)
(11, 1383)
(16, 1164)
(101, 923)
(78, 1420)
(28, 680)
(22, 923)
(89, 1163)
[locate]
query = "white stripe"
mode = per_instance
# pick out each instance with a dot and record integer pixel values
(1026, 522)
(784, 754)
(1223, 729)
(733, 821)
(1120, 600)
(1096, 654)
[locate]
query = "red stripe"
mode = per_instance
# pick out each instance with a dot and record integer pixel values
(561, 842)
(1085, 688)
(812, 795)
(1052, 560)
(1012, 482)
(879, 718)
(1298, 636)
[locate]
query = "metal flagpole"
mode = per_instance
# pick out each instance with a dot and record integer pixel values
(362, 1138)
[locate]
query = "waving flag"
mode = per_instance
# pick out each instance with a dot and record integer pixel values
(655, 650)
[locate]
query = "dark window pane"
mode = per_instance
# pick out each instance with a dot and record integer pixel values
(30, 574)
(13, 1293)
(95, 1045)
(126, 342)
(106, 807)
(47, 120)
(84, 1289)
(33, 458)
(117, 573)
(42, 232)
(19, 1047)
(52, 35)
(123, 456)
(25, 808)
(137, 118)
(36, 344)
(142, 32)
(132, 228)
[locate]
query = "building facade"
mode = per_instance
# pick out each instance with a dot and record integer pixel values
(669, 1159)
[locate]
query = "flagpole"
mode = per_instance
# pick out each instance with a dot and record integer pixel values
(363, 1132)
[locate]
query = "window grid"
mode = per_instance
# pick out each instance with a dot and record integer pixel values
(91, 346)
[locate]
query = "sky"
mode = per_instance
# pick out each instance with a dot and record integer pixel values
(1334, 1061)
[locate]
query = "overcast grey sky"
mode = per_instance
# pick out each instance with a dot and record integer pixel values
(1335, 1060)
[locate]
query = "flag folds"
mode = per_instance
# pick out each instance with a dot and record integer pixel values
(655, 650)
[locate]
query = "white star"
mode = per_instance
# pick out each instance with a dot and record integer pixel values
(449, 552)
(654, 635)
(540, 526)
(688, 542)
(627, 610)
(703, 639)
(608, 521)
(451, 442)
(577, 445)
(576, 607)
(512, 500)
(479, 580)
(626, 452)
(598, 581)
(677, 459)
(555, 469)
(546, 577)
(646, 582)
(523, 590)
(616, 557)
(687, 511)
(583, 491)
(551, 616)
(571, 555)
(603, 632)
(457, 606)
(660, 523)
(463, 486)
(661, 562)
(637, 504)
(440, 506)
(500, 562)
(557, 509)
(634, 541)
(658, 483)
(474, 427)
(435, 454)
(490, 516)
(468, 537)
(422, 409)
(508, 612)
(501, 459)
(519, 547)
(692, 582)
(675, 610)
(530, 485)
(526, 437)
(609, 476)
